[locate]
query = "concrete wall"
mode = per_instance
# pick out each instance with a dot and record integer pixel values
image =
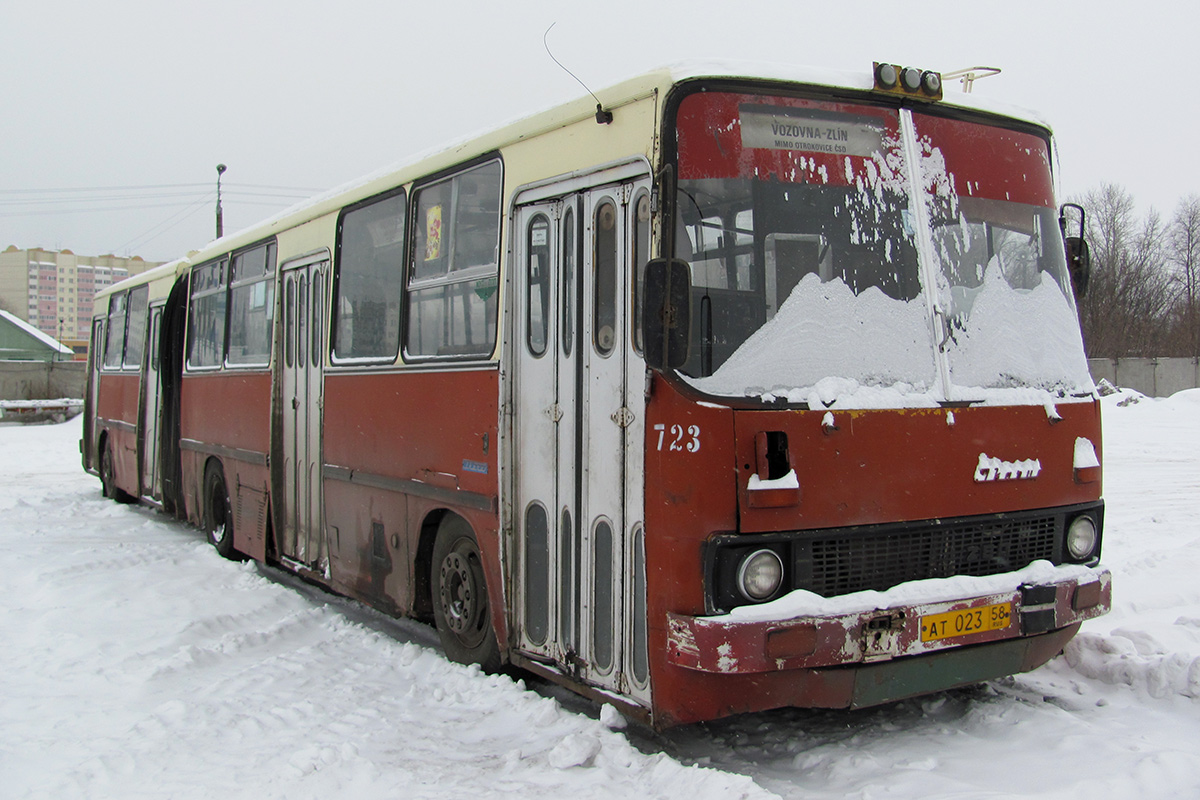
(1156, 377)
(32, 380)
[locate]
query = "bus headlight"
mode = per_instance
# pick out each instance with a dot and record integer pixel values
(760, 575)
(1081, 537)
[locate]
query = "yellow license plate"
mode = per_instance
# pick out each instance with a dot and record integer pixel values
(965, 622)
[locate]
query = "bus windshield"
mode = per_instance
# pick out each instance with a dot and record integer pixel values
(850, 253)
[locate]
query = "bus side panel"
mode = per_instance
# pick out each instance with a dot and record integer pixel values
(117, 413)
(415, 444)
(690, 495)
(229, 415)
(368, 544)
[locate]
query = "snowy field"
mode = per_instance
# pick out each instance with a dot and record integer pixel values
(138, 663)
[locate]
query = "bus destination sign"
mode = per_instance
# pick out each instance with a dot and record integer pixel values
(782, 129)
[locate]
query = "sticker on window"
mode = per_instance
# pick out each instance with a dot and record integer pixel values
(433, 233)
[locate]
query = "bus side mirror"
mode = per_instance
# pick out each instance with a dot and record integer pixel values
(667, 313)
(1079, 263)
(1079, 255)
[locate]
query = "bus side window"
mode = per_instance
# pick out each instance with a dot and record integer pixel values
(367, 284)
(537, 284)
(206, 317)
(453, 274)
(135, 324)
(641, 254)
(605, 300)
(568, 281)
(252, 306)
(114, 341)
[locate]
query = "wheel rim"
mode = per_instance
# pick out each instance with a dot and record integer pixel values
(462, 603)
(216, 505)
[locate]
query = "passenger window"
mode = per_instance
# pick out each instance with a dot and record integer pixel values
(303, 313)
(114, 343)
(135, 324)
(605, 290)
(206, 316)
(252, 306)
(289, 317)
(453, 274)
(317, 317)
(568, 281)
(370, 269)
(641, 254)
(537, 283)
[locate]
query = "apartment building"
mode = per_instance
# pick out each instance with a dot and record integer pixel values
(52, 290)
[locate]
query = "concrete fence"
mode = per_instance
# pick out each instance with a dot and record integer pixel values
(40, 380)
(1156, 377)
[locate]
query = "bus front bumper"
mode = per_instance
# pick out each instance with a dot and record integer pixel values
(859, 630)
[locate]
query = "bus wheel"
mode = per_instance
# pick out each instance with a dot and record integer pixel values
(108, 477)
(460, 597)
(218, 514)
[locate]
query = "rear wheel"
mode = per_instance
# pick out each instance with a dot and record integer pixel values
(108, 476)
(460, 597)
(218, 514)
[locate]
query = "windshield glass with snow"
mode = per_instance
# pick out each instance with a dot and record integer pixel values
(848, 253)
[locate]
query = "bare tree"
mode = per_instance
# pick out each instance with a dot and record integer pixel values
(1185, 256)
(1125, 312)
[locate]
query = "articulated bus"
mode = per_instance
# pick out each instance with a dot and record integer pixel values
(740, 390)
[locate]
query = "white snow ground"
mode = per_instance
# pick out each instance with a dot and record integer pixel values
(138, 663)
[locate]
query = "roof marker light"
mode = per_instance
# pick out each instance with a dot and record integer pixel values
(885, 76)
(918, 84)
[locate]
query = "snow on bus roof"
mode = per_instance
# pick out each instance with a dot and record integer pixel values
(447, 154)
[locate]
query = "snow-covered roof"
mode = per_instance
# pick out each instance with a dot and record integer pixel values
(49, 341)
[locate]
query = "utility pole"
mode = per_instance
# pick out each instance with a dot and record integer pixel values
(220, 224)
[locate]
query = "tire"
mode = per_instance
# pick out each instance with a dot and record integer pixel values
(108, 477)
(218, 513)
(460, 598)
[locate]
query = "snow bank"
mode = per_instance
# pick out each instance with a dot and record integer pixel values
(1151, 640)
(137, 662)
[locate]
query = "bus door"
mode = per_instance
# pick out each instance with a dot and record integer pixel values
(91, 430)
(579, 406)
(302, 328)
(151, 482)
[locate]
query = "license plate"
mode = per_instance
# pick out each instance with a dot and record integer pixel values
(965, 622)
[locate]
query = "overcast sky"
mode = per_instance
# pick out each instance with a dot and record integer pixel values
(300, 96)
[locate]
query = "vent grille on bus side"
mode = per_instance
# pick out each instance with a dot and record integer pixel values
(853, 561)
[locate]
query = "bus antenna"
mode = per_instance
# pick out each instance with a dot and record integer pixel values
(602, 117)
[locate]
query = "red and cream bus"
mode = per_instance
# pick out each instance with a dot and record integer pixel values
(741, 391)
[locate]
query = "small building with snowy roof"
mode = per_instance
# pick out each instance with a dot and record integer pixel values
(20, 341)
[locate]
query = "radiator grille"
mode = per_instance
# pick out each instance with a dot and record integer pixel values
(852, 561)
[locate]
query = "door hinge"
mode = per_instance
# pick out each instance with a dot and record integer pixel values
(623, 417)
(554, 412)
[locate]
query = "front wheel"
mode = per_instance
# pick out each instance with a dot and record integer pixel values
(460, 597)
